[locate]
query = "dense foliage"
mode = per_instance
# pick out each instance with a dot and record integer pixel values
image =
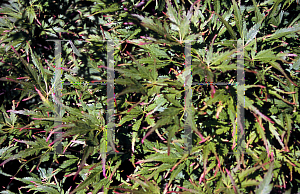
(150, 77)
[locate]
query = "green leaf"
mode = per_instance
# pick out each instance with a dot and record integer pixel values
(274, 132)
(135, 129)
(155, 26)
(89, 180)
(155, 50)
(278, 67)
(159, 102)
(288, 191)
(161, 122)
(249, 105)
(283, 32)
(172, 98)
(172, 130)
(249, 183)
(227, 25)
(9, 11)
(68, 163)
(265, 187)
(257, 12)
(222, 57)
(274, 8)
(99, 9)
(184, 28)
(238, 18)
(48, 189)
(141, 69)
(265, 56)
(252, 32)
(243, 174)
(176, 172)
(4, 174)
(172, 14)
(137, 125)
(171, 159)
(131, 72)
(7, 192)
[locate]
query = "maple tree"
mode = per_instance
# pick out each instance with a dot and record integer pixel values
(151, 68)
